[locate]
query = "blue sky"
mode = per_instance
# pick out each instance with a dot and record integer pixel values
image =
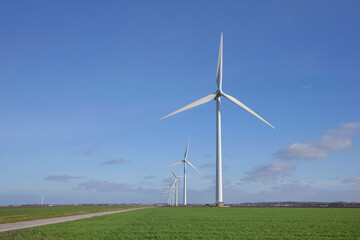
(83, 86)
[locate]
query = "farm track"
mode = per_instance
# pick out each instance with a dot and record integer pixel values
(40, 222)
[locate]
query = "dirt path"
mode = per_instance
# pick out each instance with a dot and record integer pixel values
(34, 223)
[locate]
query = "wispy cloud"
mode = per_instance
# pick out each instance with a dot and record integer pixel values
(225, 155)
(60, 178)
(306, 86)
(212, 179)
(208, 176)
(211, 165)
(115, 161)
(269, 172)
(105, 186)
(150, 177)
(352, 180)
(226, 182)
(208, 165)
(336, 139)
(349, 129)
(298, 191)
(291, 189)
(88, 152)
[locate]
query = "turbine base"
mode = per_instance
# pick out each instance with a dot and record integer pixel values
(220, 204)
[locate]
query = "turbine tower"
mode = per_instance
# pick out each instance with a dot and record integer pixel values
(185, 161)
(217, 96)
(42, 200)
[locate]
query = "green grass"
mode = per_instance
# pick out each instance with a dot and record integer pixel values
(16, 214)
(206, 223)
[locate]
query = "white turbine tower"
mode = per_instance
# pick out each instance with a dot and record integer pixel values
(216, 96)
(42, 200)
(185, 161)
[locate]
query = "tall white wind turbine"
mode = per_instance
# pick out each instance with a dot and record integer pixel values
(217, 96)
(185, 161)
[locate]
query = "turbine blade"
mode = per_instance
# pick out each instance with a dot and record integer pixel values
(220, 64)
(187, 148)
(194, 168)
(240, 104)
(194, 104)
(173, 183)
(174, 164)
(173, 173)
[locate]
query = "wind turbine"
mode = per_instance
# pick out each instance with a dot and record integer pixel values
(176, 181)
(185, 161)
(168, 194)
(217, 96)
(172, 188)
(42, 200)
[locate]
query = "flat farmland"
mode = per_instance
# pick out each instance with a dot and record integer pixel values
(206, 223)
(16, 214)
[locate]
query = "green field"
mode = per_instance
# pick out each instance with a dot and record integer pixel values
(206, 223)
(16, 214)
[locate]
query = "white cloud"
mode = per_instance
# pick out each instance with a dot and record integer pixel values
(302, 150)
(333, 143)
(337, 139)
(346, 129)
(269, 173)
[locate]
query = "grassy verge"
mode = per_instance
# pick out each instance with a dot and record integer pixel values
(206, 223)
(16, 214)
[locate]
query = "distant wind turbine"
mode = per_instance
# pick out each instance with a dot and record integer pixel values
(185, 161)
(176, 182)
(216, 96)
(42, 200)
(168, 194)
(172, 190)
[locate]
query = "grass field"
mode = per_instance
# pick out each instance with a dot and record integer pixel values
(206, 223)
(16, 214)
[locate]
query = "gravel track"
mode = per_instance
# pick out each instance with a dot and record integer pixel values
(40, 222)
